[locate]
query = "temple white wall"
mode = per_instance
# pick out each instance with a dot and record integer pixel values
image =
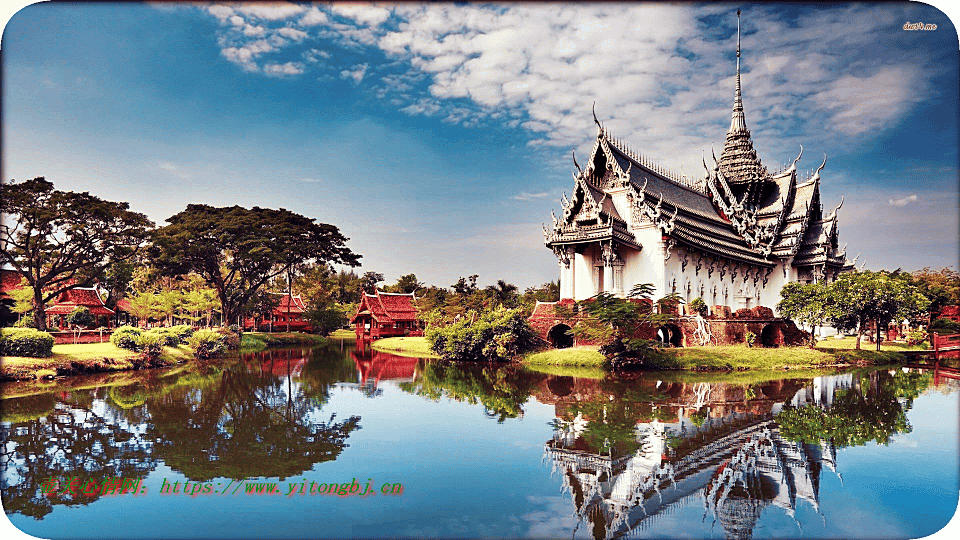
(678, 273)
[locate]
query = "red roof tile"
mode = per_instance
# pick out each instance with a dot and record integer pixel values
(80, 297)
(387, 307)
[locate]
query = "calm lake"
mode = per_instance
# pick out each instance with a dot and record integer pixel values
(477, 451)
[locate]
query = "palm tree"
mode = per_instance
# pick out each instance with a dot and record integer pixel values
(503, 292)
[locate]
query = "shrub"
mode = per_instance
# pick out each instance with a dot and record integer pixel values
(698, 306)
(125, 337)
(26, 321)
(150, 343)
(80, 317)
(236, 330)
(917, 336)
(231, 337)
(496, 335)
(168, 337)
(944, 326)
(182, 331)
(207, 343)
(25, 342)
(750, 339)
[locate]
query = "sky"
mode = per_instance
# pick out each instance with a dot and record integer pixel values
(438, 138)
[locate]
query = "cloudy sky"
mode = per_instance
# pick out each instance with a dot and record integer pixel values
(438, 137)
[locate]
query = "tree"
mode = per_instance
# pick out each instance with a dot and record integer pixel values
(238, 250)
(61, 240)
(503, 293)
(407, 284)
(860, 297)
(941, 287)
(368, 283)
(808, 303)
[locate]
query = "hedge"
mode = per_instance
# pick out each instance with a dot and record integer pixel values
(125, 337)
(25, 342)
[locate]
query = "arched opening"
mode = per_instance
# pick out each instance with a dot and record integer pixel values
(559, 337)
(771, 336)
(670, 335)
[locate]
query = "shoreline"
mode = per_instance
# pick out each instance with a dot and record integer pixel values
(70, 360)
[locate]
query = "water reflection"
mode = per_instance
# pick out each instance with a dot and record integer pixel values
(658, 452)
(623, 465)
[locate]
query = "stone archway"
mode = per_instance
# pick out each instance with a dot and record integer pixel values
(771, 336)
(559, 338)
(670, 335)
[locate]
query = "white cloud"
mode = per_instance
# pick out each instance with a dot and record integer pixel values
(356, 73)
(904, 201)
(314, 17)
(271, 11)
(289, 68)
(364, 14)
(525, 196)
(815, 80)
(292, 33)
(173, 169)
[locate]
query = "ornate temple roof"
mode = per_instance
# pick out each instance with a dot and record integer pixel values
(79, 297)
(738, 211)
(386, 307)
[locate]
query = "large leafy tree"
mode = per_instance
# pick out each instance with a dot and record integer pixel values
(238, 250)
(860, 297)
(61, 240)
(810, 304)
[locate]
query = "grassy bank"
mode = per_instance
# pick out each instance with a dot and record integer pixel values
(405, 346)
(343, 334)
(258, 341)
(574, 356)
(84, 358)
(740, 357)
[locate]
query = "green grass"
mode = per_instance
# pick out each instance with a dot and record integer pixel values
(851, 342)
(758, 358)
(343, 334)
(405, 346)
(579, 372)
(258, 341)
(83, 358)
(573, 356)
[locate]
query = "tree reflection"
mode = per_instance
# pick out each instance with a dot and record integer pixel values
(501, 390)
(871, 411)
(72, 440)
(251, 424)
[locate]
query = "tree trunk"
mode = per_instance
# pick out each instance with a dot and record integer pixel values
(39, 313)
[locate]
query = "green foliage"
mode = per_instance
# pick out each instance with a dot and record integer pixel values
(26, 322)
(22, 298)
(125, 337)
(750, 338)
(697, 305)
(80, 317)
(207, 343)
(40, 224)
(944, 326)
(25, 342)
(150, 343)
(237, 250)
(809, 304)
(857, 298)
(496, 335)
(871, 414)
(917, 336)
(501, 391)
(232, 336)
(941, 287)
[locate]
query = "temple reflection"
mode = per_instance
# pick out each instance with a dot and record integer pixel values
(701, 447)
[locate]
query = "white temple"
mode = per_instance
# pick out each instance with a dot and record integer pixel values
(734, 238)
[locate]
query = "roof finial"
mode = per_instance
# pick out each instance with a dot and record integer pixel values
(595, 114)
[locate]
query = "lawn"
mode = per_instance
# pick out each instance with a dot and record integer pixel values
(257, 341)
(574, 356)
(405, 346)
(72, 359)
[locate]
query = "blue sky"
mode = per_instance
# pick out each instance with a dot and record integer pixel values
(438, 137)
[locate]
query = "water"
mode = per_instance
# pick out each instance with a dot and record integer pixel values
(480, 451)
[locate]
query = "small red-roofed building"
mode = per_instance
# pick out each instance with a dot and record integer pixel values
(386, 315)
(9, 280)
(78, 298)
(290, 309)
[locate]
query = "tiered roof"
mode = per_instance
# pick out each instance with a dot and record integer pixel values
(289, 304)
(79, 297)
(9, 280)
(387, 307)
(738, 211)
